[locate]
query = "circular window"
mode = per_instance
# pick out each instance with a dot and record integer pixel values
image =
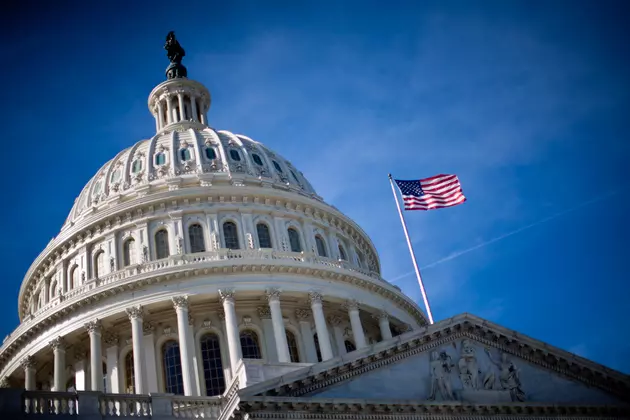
(257, 159)
(235, 155)
(278, 168)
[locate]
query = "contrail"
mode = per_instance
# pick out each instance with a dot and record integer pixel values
(506, 235)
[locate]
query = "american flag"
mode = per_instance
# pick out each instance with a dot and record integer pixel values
(436, 192)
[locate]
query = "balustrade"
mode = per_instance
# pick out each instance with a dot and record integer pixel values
(46, 402)
(195, 407)
(125, 405)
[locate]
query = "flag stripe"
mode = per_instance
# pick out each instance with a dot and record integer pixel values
(435, 192)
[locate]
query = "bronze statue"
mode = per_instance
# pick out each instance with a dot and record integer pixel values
(174, 51)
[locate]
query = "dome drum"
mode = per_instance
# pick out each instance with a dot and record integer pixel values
(177, 101)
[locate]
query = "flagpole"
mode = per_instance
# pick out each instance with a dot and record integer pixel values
(413, 255)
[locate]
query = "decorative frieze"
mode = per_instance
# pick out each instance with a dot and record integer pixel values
(335, 320)
(111, 339)
(302, 314)
(148, 328)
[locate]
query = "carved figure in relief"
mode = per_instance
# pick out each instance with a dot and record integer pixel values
(468, 367)
(112, 264)
(180, 245)
(145, 254)
(508, 376)
(440, 369)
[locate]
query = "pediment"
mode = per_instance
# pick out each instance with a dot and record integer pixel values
(464, 359)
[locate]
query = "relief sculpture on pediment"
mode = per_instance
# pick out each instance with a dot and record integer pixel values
(440, 376)
(508, 376)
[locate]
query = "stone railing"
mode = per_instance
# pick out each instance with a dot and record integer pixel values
(17, 403)
(201, 258)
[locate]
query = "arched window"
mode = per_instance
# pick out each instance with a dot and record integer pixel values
(160, 159)
(195, 235)
(342, 253)
(130, 381)
(295, 177)
(136, 166)
(293, 347)
(173, 379)
(129, 252)
(264, 237)
(249, 345)
(360, 258)
(294, 240)
(74, 276)
(161, 244)
(321, 246)
(185, 154)
(210, 153)
(275, 165)
(349, 346)
(257, 160)
(230, 234)
(116, 175)
(317, 349)
(235, 155)
(99, 264)
(212, 365)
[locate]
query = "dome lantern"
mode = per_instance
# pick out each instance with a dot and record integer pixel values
(178, 100)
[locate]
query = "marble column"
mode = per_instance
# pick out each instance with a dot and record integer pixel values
(28, 364)
(335, 322)
(355, 321)
(186, 349)
(264, 313)
(279, 333)
(304, 319)
(135, 314)
(231, 328)
(96, 355)
(383, 323)
(182, 112)
(193, 107)
(320, 325)
(111, 354)
(148, 341)
(59, 357)
(160, 116)
(80, 369)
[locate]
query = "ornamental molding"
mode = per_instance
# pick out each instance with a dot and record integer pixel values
(446, 332)
(69, 240)
(346, 409)
(303, 314)
(111, 339)
(264, 312)
(335, 320)
(127, 279)
(148, 328)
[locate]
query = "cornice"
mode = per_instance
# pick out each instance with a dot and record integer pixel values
(220, 263)
(138, 210)
(466, 325)
(346, 409)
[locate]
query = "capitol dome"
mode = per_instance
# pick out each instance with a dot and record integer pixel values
(189, 253)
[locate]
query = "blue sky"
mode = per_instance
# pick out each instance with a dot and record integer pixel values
(526, 101)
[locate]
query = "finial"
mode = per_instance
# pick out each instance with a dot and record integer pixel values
(175, 53)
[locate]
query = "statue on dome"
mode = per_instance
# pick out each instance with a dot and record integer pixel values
(174, 51)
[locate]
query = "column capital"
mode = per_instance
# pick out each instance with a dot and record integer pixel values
(315, 297)
(148, 328)
(226, 295)
(135, 312)
(180, 302)
(335, 320)
(111, 339)
(93, 326)
(264, 312)
(57, 343)
(272, 295)
(351, 305)
(381, 315)
(28, 362)
(302, 314)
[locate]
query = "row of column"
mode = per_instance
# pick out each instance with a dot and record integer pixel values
(175, 114)
(186, 341)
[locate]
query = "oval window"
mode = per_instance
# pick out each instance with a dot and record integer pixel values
(278, 168)
(210, 153)
(257, 159)
(160, 159)
(235, 155)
